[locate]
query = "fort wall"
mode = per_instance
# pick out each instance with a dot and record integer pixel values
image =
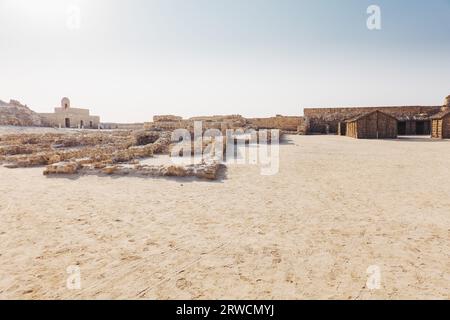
(222, 123)
(326, 120)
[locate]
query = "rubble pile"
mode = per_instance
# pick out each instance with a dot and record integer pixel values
(111, 152)
(204, 170)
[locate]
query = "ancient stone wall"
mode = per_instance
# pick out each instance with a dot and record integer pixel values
(326, 120)
(293, 124)
(121, 126)
(166, 118)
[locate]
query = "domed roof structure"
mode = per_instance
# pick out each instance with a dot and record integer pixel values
(65, 103)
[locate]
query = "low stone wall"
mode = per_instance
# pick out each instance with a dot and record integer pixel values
(292, 124)
(279, 122)
(122, 126)
(166, 118)
(204, 170)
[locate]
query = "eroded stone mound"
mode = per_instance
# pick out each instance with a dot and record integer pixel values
(16, 114)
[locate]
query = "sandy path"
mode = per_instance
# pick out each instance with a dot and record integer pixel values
(336, 207)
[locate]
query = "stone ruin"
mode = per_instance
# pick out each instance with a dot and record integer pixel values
(328, 120)
(108, 153)
(16, 114)
(122, 152)
(295, 125)
(114, 152)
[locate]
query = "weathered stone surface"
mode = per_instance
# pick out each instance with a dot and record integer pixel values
(54, 159)
(208, 171)
(16, 114)
(164, 118)
(26, 150)
(202, 171)
(289, 124)
(111, 152)
(176, 171)
(143, 137)
(110, 169)
(16, 149)
(222, 123)
(62, 168)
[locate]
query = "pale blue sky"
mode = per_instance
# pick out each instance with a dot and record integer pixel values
(130, 60)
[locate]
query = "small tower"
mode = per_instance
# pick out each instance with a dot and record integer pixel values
(446, 106)
(65, 103)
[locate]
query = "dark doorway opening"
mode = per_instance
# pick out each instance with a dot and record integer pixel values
(81, 124)
(67, 123)
(342, 128)
(420, 128)
(90, 124)
(401, 128)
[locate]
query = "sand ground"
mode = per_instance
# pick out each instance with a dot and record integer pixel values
(336, 207)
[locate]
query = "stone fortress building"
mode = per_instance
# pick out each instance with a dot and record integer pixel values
(431, 121)
(412, 120)
(69, 117)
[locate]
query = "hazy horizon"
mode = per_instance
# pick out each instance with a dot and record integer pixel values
(129, 60)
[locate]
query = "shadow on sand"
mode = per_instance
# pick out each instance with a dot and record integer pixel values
(285, 140)
(418, 139)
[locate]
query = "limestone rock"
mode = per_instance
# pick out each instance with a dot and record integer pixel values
(176, 171)
(54, 159)
(16, 149)
(208, 171)
(166, 118)
(16, 114)
(62, 168)
(144, 137)
(110, 169)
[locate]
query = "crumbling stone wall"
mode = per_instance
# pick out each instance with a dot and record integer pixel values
(326, 120)
(292, 124)
(100, 152)
(166, 118)
(122, 126)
